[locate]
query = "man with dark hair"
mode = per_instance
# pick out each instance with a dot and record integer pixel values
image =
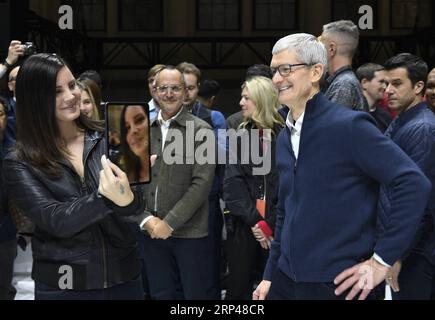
(192, 76)
(341, 41)
(372, 79)
(430, 90)
(92, 75)
(256, 70)
(208, 91)
(414, 132)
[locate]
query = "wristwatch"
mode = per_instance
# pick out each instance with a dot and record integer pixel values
(6, 63)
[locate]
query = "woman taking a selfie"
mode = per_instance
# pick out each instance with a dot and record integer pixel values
(77, 199)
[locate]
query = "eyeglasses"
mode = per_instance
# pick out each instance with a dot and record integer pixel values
(176, 89)
(285, 69)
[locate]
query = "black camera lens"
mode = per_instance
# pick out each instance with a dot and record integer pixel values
(29, 49)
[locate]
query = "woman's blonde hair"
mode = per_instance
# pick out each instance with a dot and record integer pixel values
(264, 95)
(85, 87)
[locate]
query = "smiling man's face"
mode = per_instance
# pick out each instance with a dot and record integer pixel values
(297, 85)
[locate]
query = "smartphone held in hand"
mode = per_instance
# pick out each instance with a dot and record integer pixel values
(128, 139)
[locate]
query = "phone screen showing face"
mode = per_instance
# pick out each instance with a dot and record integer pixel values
(128, 139)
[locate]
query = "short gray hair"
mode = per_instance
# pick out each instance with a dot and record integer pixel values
(346, 31)
(306, 46)
(171, 68)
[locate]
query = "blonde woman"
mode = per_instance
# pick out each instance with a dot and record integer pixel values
(88, 105)
(260, 105)
(251, 198)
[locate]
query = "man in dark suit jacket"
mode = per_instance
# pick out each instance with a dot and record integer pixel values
(325, 244)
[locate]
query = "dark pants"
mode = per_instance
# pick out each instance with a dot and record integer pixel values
(415, 279)
(246, 262)
(284, 288)
(8, 252)
(131, 290)
(176, 261)
(433, 289)
(214, 242)
(140, 240)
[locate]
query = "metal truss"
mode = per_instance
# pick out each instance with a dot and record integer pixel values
(124, 53)
(206, 53)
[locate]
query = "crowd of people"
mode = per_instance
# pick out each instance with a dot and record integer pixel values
(346, 209)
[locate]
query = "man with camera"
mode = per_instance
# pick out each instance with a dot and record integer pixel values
(8, 241)
(16, 49)
(8, 237)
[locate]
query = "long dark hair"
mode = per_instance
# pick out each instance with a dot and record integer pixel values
(38, 136)
(131, 161)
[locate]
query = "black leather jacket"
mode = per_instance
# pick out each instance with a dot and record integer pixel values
(242, 187)
(74, 226)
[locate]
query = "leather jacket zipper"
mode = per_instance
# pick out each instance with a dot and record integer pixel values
(105, 282)
(84, 191)
(103, 244)
(84, 187)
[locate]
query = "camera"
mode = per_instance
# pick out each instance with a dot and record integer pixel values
(29, 48)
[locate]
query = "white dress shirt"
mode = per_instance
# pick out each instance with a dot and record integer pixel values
(295, 132)
(164, 127)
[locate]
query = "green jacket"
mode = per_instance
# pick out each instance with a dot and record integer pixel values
(182, 187)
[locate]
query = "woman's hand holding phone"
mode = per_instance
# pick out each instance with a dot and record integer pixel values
(114, 184)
